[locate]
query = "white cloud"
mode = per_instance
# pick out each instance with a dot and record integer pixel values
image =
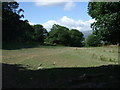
(78, 28)
(70, 23)
(66, 21)
(49, 24)
(31, 23)
(49, 2)
(68, 4)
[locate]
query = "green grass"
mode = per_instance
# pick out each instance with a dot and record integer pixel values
(63, 56)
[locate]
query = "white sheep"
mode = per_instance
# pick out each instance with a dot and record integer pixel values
(54, 63)
(40, 67)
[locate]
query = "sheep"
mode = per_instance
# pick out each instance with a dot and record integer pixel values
(40, 67)
(54, 63)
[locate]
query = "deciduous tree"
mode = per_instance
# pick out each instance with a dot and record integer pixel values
(107, 16)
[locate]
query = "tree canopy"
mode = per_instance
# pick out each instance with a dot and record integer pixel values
(76, 37)
(14, 29)
(92, 40)
(107, 17)
(58, 35)
(62, 35)
(39, 33)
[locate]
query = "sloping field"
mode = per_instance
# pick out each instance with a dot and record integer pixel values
(59, 56)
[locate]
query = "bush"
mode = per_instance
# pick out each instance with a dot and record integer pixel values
(92, 40)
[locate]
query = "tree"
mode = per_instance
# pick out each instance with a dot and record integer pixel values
(39, 33)
(107, 16)
(62, 35)
(93, 40)
(58, 35)
(14, 29)
(27, 32)
(76, 37)
(10, 19)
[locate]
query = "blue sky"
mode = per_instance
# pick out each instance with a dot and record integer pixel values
(69, 14)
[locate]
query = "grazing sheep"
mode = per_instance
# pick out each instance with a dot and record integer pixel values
(54, 63)
(40, 68)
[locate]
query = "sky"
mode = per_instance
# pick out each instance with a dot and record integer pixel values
(70, 14)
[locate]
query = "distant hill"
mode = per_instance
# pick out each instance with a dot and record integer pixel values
(87, 33)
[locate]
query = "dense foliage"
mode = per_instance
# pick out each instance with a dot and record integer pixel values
(14, 29)
(107, 16)
(17, 30)
(62, 35)
(93, 40)
(58, 35)
(76, 37)
(39, 33)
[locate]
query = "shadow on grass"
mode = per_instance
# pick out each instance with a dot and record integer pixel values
(15, 76)
(18, 45)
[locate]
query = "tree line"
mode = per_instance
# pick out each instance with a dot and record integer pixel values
(106, 28)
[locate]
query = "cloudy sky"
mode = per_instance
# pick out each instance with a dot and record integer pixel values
(70, 14)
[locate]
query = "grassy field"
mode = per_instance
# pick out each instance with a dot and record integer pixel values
(61, 56)
(60, 66)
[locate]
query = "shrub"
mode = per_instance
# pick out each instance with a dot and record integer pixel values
(92, 40)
